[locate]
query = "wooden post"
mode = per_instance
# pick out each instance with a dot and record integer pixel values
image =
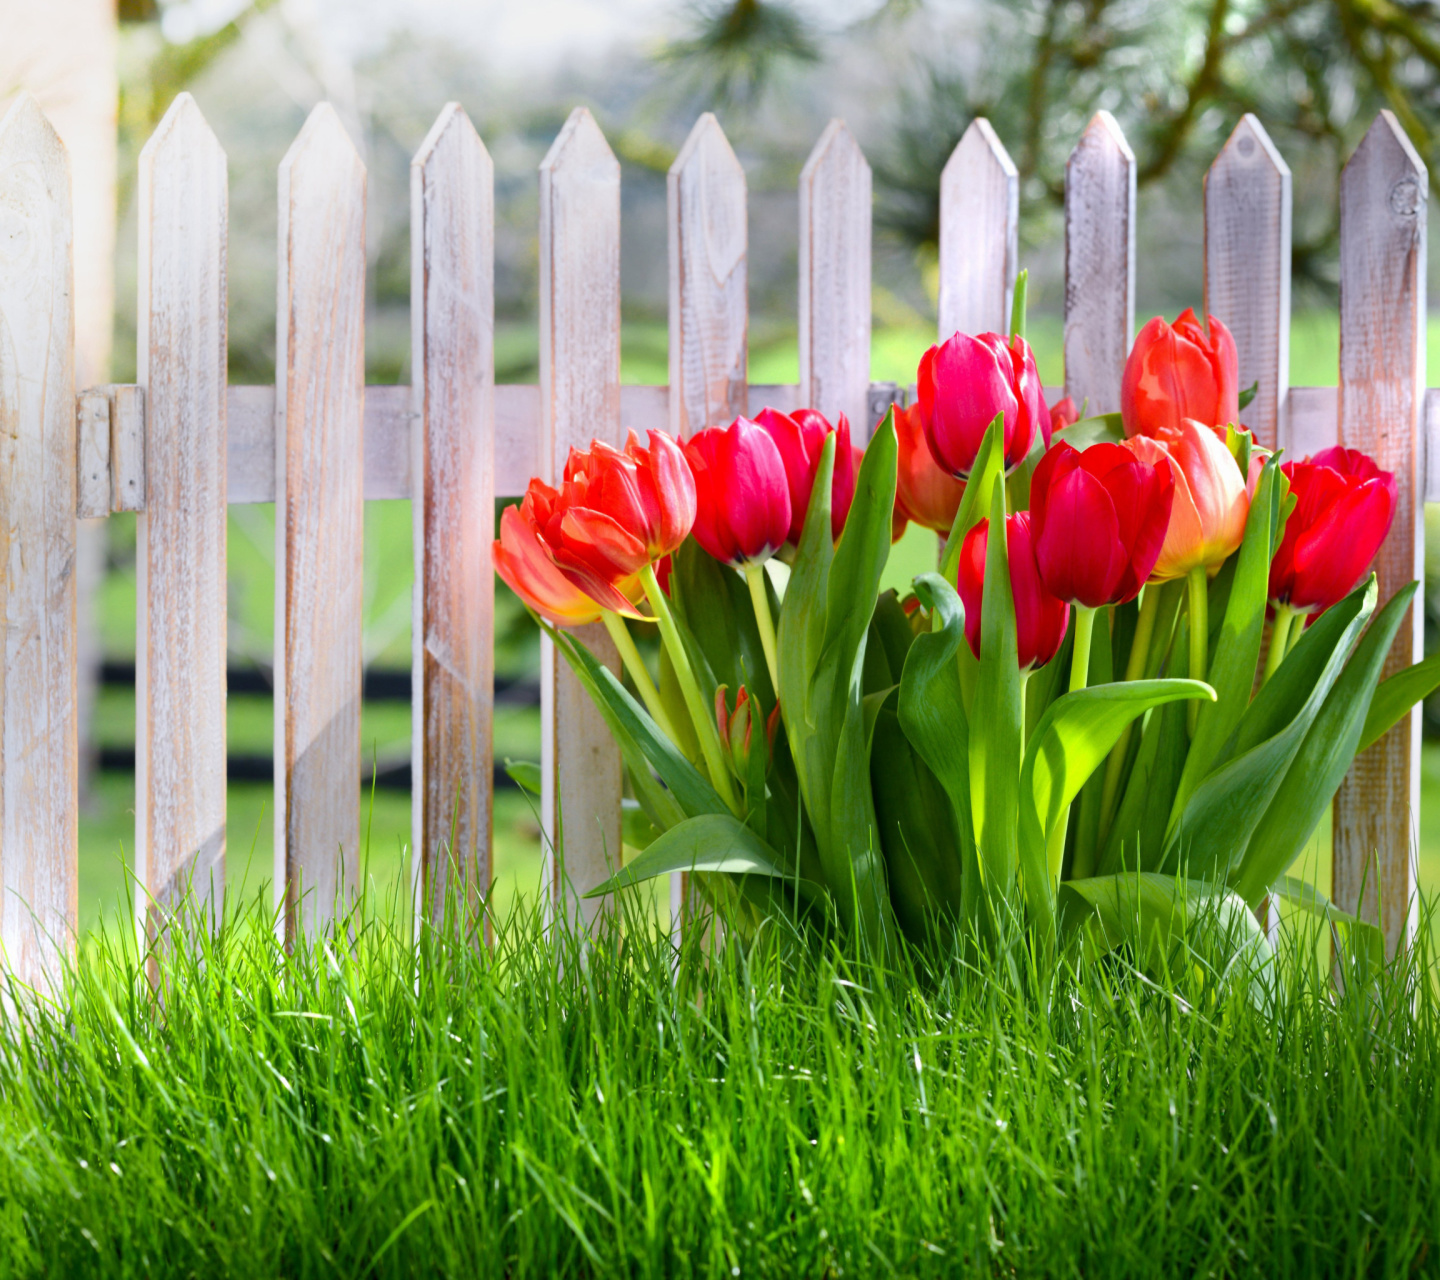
(1099, 264)
(452, 318)
(39, 779)
(579, 400)
(1247, 268)
(709, 313)
(979, 234)
(835, 280)
(1382, 390)
(180, 633)
(319, 457)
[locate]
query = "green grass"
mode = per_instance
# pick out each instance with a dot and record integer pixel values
(359, 1108)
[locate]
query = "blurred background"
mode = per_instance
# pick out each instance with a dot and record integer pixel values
(907, 76)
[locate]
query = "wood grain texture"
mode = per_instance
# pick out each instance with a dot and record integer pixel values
(181, 612)
(319, 479)
(1099, 264)
(1432, 445)
(979, 234)
(452, 316)
(127, 446)
(579, 400)
(1383, 193)
(709, 310)
(835, 280)
(1247, 267)
(39, 778)
(92, 465)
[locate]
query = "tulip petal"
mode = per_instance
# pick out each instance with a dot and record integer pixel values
(525, 566)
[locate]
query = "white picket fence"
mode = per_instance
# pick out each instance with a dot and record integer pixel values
(182, 444)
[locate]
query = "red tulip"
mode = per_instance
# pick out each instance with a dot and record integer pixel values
(1180, 372)
(964, 383)
(924, 492)
(800, 436)
(742, 493)
(1063, 415)
(1098, 521)
(1344, 505)
(1041, 619)
(527, 566)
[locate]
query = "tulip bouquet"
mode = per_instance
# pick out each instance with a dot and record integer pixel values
(1127, 713)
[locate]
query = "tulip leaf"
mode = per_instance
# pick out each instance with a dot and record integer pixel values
(1136, 837)
(1362, 936)
(1071, 741)
(713, 603)
(1249, 394)
(999, 707)
(1396, 695)
(1323, 759)
(987, 471)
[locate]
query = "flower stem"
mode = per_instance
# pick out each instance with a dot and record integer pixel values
(760, 598)
(702, 716)
(635, 665)
(1279, 641)
(1134, 669)
(1198, 585)
(1080, 659)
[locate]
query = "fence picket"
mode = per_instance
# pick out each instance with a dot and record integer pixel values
(709, 312)
(835, 280)
(979, 234)
(39, 779)
(579, 400)
(1247, 268)
(1099, 263)
(92, 476)
(1382, 390)
(452, 315)
(319, 477)
(180, 631)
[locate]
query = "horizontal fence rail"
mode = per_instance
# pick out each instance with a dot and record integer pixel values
(180, 446)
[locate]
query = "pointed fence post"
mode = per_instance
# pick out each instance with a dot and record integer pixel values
(835, 280)
(180, 633)
(979, 234)
(1383, 193)
(39, 779)
(319, 479)
(709, 312)
(452, 318)
(579, 400)
(1247, 268)
(1099, 264)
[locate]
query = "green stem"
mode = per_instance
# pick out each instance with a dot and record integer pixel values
(760, 599)
(1080, 659)
(635, 665)
(1134, 669)
(1017, 305)
(702, 716)
(1198, 587)
(1279, 641)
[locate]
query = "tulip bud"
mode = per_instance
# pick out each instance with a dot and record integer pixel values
(924, 492)
(1212, 500)
(742, 493)
(1344, 505)
(1098, 521)
(736, 726)
(800, 436)
(1178, 372)
(964, 382)
(1063, 415)
(1041, 619)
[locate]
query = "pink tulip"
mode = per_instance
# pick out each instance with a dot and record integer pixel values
(742, 493)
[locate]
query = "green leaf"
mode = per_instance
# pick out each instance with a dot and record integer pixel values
(1070, 743)
(713, 603)
(525, 774)
(988, 471)
(711, 842)
(1395, 696)
(1323, 759)
(995, 754)
(1249, 394)
(1137, 835)
(1363, 936)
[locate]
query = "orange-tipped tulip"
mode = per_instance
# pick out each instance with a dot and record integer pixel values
(924, 491)
(1212, 501)
(525, 563)
(1180, 371)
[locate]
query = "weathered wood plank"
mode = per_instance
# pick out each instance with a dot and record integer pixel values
(181, 611)
(979, 234)
(1247, 267)
(709, 311)
(1382, 380)
(320, 404)
(1312, 421)
(1099, 264)
(579, 400)
(127, 447)
(39, 779)
(452, 316)
(835, 280)
(92, 469)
